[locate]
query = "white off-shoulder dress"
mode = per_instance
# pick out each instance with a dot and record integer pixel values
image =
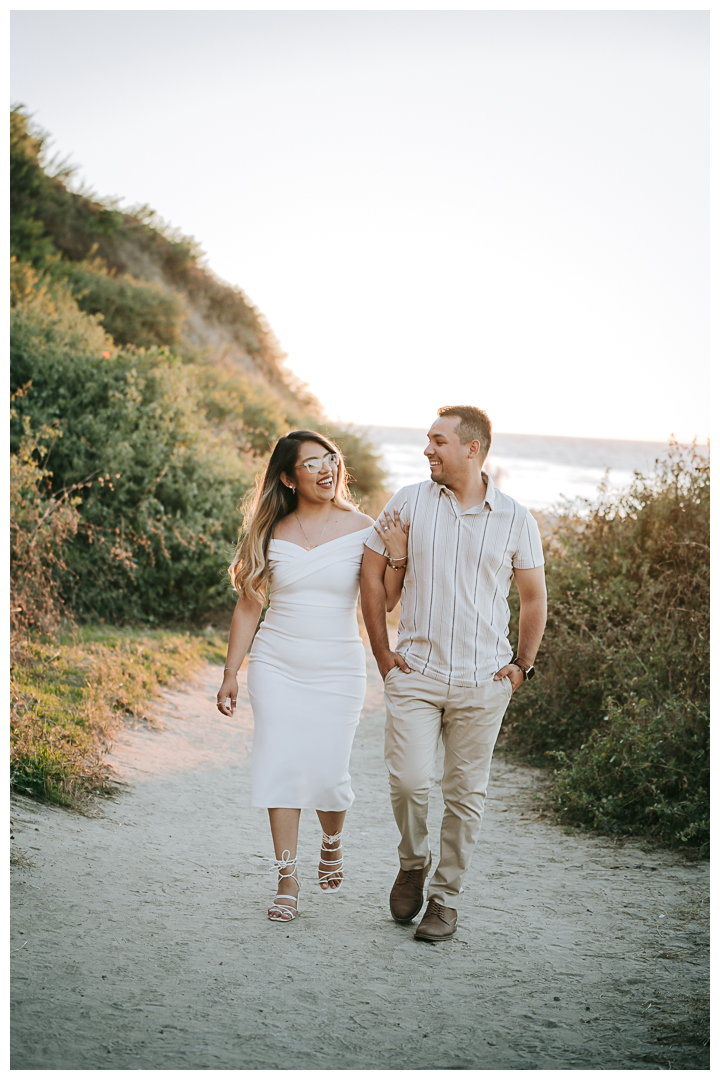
(306, 676)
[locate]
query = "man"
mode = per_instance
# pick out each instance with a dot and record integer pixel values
(453, 672)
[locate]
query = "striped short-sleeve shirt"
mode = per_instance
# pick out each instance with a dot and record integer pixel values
(454, 614)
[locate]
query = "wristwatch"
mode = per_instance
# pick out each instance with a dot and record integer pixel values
(528, 672)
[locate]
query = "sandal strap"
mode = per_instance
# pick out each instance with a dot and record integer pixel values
(326, 876)
(325, 879)
(282, 909)
(290, 867)
(283, 863)
(284, 896)
(326, 840)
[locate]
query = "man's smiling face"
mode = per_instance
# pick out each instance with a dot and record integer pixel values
(446, 455)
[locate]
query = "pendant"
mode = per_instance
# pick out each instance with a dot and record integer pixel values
(308, 549)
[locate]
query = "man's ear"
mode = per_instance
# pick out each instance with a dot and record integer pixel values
(473, 448)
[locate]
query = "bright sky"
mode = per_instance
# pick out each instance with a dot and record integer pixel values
(506, 209)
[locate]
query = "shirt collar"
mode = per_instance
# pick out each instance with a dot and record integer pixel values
(489, 494)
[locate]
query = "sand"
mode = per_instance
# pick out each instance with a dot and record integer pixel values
(140, 941)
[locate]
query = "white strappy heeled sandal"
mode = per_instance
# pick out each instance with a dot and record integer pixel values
(325, 877)
(283, 912)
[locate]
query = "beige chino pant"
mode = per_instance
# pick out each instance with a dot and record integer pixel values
(419, 711)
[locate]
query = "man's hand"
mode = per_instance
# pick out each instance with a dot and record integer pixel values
(514, 674)
(388, 661)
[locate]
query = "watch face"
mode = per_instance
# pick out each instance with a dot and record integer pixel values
(529, 673)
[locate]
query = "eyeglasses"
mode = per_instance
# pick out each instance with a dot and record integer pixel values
(315, 464)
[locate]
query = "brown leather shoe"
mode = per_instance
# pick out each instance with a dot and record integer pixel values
(406, 895)
(438, 923)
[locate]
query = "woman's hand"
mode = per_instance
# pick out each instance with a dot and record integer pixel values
(229, 689)
(393, 534)
(244, 624)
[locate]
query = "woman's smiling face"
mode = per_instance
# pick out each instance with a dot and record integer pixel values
(315, 486)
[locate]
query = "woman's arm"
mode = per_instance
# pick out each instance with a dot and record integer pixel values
(244, 623)
(394, 536)
(372, 595)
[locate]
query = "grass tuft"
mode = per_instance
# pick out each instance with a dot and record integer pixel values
(70, 694)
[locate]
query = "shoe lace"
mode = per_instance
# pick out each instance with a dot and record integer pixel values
(415, 876)
(434, 908)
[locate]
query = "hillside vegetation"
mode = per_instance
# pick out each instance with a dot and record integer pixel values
(146, 395)
(146, 281)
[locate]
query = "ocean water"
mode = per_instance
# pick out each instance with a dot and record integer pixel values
(537, 470)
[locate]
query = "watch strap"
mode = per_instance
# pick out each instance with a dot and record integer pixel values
(528, 671)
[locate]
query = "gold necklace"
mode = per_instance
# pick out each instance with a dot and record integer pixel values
(311, 546)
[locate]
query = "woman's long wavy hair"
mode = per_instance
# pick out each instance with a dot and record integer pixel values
(268, 503)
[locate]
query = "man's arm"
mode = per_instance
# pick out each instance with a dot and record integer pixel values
(533, 615)
(374, 600)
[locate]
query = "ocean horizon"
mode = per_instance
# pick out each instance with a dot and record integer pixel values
(537, 470)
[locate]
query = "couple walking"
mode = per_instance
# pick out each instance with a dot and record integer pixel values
(447, 549)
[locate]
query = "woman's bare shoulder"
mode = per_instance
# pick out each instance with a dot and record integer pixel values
(358, 521)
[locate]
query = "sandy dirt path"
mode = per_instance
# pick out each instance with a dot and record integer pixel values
(139, 936)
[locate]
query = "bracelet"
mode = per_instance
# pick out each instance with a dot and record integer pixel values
(391, 561)
(233, 669)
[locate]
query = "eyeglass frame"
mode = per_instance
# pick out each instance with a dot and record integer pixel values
(332, 458)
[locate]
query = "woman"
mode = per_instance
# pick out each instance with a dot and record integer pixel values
(303, 539)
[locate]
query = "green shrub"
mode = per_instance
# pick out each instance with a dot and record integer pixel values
(246, 410)
(133, 312)
(159, 488)
(628, 622)
(645, 772)
(41, 525)
(628, 605)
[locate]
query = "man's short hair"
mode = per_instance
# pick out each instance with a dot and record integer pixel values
(474, 424)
